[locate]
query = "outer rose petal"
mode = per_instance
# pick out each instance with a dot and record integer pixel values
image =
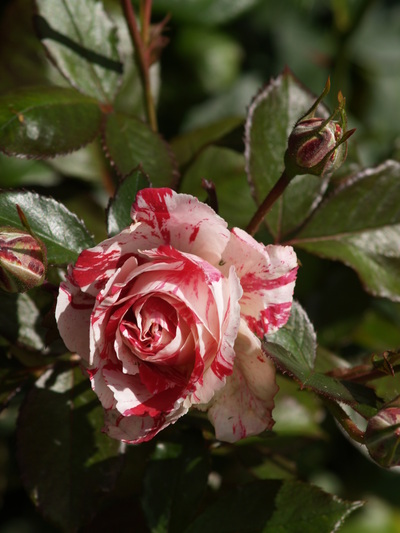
(243, 407)
(73, 311)
(181, 221)
(96, 265)
(267, 275)
(136, 429)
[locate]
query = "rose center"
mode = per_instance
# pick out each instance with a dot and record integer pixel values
(149, 326)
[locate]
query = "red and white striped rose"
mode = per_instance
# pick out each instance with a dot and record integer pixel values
(168, 314)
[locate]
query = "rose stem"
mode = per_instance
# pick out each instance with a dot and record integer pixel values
(140, 54)
(362, 373)
(344, 420)
(268, 202)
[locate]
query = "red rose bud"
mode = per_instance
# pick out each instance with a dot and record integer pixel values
(318, 145)
(382, 437)
(22, 260)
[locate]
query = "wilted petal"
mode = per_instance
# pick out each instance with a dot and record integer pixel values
(243, 407)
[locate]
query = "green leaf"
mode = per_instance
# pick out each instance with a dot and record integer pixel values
(208, 12)
(224, 168)
(188, 145)
(16, 172)
(45, 122)
(24, 63)
(130, 143)
(13, 377)
(87, 163)
(272, 507)
(360, 226)
(82, 42)
(212, 55)
(293, 350)
(21, 320)
(245, 509)
(175, 482)
(271, 118)
(299, 339)
(119, 207)
(63, 234)
(301, 507)
(67, 463)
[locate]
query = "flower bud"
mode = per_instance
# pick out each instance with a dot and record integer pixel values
(382, 437)
(317, 145)
(22, 260)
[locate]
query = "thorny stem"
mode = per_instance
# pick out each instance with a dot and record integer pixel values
(139, 44)
(366, 373)
(268, 202)
(345, 421)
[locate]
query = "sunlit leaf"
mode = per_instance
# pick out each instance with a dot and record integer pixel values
(130, 143)
(45, 122)
(360, 226)
(63, 234)
(293, 350)
(82, 42)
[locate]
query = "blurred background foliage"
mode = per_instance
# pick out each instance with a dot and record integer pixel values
(221, 52)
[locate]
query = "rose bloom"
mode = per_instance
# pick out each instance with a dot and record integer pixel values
(168, 314)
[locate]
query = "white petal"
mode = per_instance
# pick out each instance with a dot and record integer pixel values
(267, 275)
(182, 221)
(72, 313)
(243, 407)
(136, 429)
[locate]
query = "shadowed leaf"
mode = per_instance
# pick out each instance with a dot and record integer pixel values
(67, 463)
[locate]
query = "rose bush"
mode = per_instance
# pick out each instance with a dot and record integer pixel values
(168, 314)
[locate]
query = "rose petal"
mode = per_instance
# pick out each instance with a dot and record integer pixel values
(95, 266)
(181, 221)
(267, 275)
(137, 429)
(72, 313)
(222, 365)
(101, 388)
(189, 279)
(132, 397)
(243, 407)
